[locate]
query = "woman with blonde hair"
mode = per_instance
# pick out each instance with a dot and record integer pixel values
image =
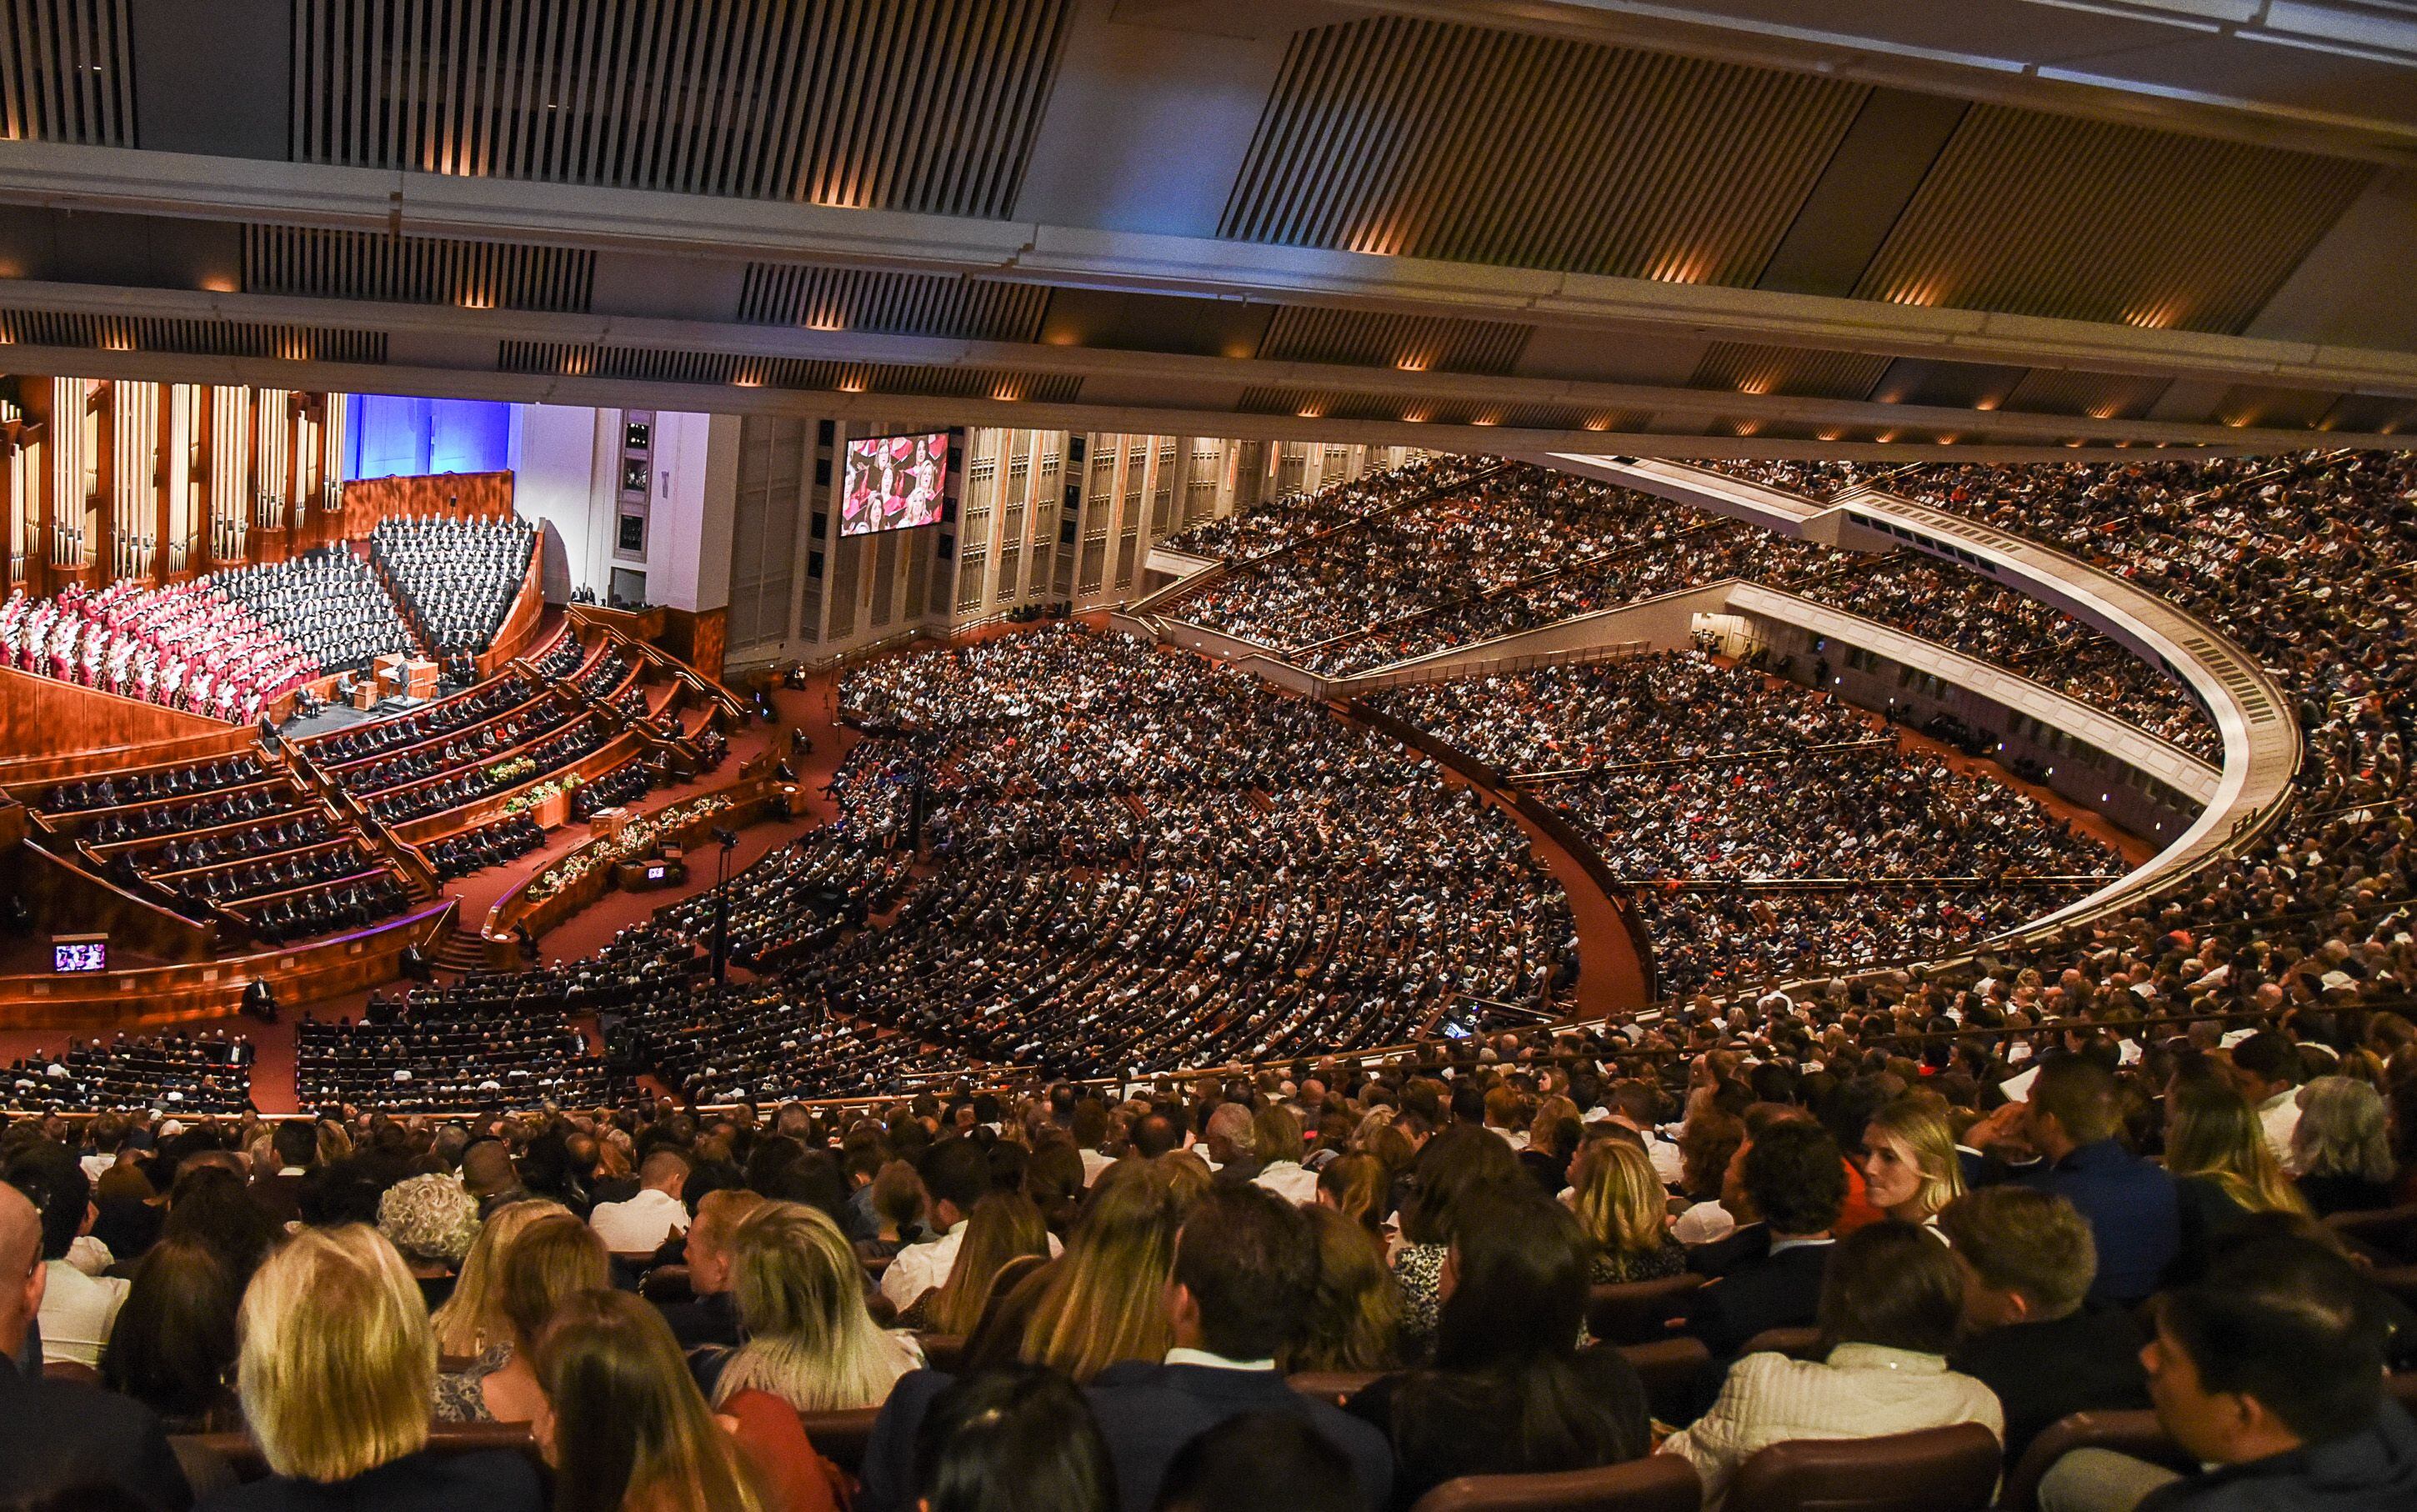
(553, 1257)
(334, 1376)
(1622, 1207)
(2223, 1167)
(1106, 1300)
(1911, 1170)
(1004, 1227)
(471, 1323)
(809, 1340)
(626, 1429)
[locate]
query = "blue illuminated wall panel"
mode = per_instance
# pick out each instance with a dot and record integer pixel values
(391, 435)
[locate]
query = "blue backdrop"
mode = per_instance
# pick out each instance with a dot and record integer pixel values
(393, 436)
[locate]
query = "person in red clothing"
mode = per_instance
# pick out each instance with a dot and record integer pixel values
(627, 1430)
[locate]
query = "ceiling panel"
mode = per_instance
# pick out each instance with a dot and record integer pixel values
(899, 304)
(1790, 370)
(66, 72)
(1425, 138)
(923, 106)
(361, 265)
(2097, 395)
(1303, 333)
(2048, 215)
(589, 360)
(210, 338)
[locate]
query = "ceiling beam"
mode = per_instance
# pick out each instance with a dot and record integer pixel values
(117, 180)
(1211, 384)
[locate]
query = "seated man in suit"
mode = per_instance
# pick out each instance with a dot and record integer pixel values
(1245, 1275)
(2268, 1372)
(1795, 1180)
(2028, 1261)
(61, 1439)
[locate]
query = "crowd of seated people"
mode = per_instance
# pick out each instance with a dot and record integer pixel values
(113, 788)
(282, 873)
(214, 847)
(238, 805)
(625, 784)
(450, 784)
(1637, 711)
(476, 743)
(1325, 1284)
(1281, 523)
(192, 645)
(457, 579)
(328, 602)
(492, 844)
(354, 904)
(1957, 607)
(360, 742)
(206, 1073)
(1814, 480)
(497, 1040)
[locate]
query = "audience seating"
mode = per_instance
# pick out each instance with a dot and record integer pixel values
(1657, 1483)
(1673, 1373)
(2134, 1432)
(841, 1437)
(1638, 1313)
(1937, 1470)
(1796, 1343)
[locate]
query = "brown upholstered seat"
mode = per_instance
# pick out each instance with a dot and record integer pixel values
(1796, 1343)
(1657, 1483)
(2134, 1432)
(2389, 1235)
(71, 1370)
(1935, 1470)
(1638, 1313)
(942, 1351)
(1336, 1386)
(841, 1437)
(243, 1456)
(1671, 1368)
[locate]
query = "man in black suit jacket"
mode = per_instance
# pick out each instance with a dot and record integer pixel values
(2028, 1259)
(1795, 1179)
(1245, 1274)
(57, 1436)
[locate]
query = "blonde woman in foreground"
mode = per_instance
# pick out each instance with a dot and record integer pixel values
(334, 1377)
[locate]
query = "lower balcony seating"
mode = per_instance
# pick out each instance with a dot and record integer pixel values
(489, 845)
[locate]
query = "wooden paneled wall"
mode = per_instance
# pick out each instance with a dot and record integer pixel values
(470, 495)
(41, 717)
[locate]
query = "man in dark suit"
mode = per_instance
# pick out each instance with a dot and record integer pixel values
(59, 1437)
(1245, 1274)
(2028, 1261)
(279, 1192)
(2133, 1208)
(1796, 1182)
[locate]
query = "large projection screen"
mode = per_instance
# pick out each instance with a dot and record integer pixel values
(894, 483)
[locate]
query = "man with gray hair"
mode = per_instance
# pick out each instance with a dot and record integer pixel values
(59, 1436)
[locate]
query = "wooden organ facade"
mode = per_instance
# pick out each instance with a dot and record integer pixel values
(104, 481)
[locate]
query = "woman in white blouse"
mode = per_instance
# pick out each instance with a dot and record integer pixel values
(1888, 1307)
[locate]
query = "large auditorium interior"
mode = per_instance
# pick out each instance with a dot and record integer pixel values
(1207, 755)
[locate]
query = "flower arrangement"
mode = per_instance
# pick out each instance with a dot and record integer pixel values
(637, 838)
(505, 774)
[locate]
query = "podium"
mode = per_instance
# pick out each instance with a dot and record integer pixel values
(608, 823)
(365, 694)
(390, 676)
(419, 678)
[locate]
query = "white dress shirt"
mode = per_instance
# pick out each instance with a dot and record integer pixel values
(639, 1226)
(1861, 1391)
(920, 1268)
(78, 1312)
(1288, 1180)
(2279, 1115)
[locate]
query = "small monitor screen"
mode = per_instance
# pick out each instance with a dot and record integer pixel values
(656, 874)
(80, 955)
(894, 483)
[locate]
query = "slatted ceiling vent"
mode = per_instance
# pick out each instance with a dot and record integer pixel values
(1426, 139)
(893, 304)
(66, 72)
(730, 369)
(2097, 395)
(1797, 371)
(367, 265)
(1326, 403)
(1302, 333)
(2047, 215)
(923, 105)
(201, 338)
